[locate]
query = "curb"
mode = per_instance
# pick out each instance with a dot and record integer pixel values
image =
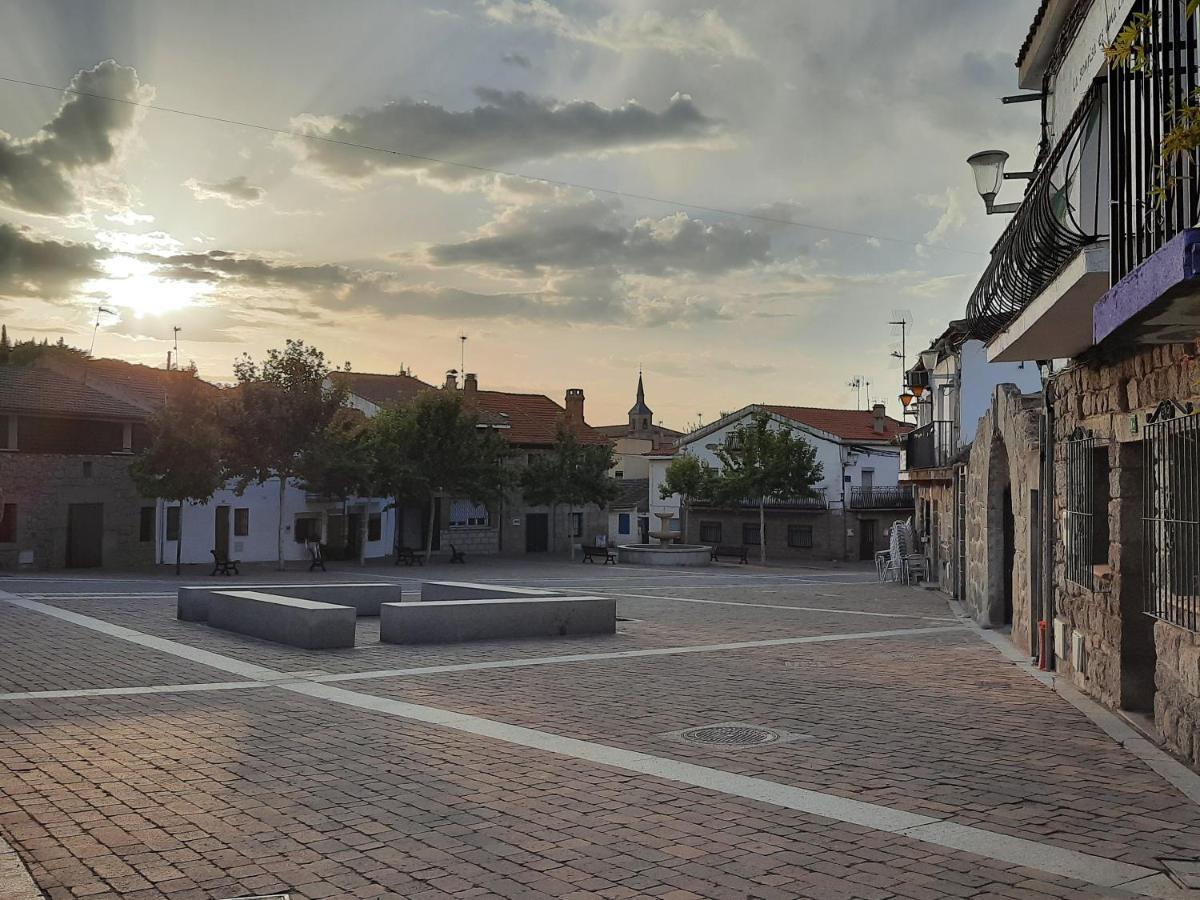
(15, 880)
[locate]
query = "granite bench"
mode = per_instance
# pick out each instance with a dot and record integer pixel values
(441, 591)
(192, 604)
(451, 621)
(286, 620)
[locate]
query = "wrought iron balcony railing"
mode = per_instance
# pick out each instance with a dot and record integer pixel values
(893, 497)
(816, 501)
(930, 446)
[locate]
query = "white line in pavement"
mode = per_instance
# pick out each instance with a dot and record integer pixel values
(824, 609)
(1059, 861)
(629, 654)
(134, 691)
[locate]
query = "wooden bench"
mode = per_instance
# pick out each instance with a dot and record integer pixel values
(409, 557)
(223, 564)
(494, 619)
(285, 620)
(741, 553)
(590, 554)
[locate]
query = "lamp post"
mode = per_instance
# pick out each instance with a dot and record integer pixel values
(988, 168)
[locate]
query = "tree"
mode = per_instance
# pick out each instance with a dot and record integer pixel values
(690, 478)
(275, 412)
(760, 463)
(183, 462)
(434, 448)
(338, 462)
(5, 346)
(571, 473)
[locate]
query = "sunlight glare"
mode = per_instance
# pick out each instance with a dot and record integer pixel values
(131, 284)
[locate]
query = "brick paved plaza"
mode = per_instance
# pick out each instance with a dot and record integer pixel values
(143, 757)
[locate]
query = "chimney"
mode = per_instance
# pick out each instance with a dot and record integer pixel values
(451, 380)
(880, 423)
(574, 404)
(470, 384)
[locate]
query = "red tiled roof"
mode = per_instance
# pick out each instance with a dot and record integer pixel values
(39, 390)
(849, 424)
(143, 387)
(532, 419)
(384, 390)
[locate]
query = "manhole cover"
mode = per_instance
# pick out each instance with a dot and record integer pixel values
(735, 735)
(263, 897)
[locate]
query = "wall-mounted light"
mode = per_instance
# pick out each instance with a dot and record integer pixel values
(988, 168)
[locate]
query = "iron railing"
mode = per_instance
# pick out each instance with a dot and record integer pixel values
(1171, 444)
(1080, 507)
(892, 497)
(929, 447)
(1143, 106)
(1045, 233)
(816, 501)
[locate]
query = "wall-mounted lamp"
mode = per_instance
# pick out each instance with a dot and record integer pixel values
(988, 167)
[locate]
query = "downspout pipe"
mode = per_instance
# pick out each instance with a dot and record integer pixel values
(1047, 512)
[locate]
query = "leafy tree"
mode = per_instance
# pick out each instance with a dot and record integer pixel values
(571, 473)
(435, 448)
(338, 462)
(760, 462)
(183, 462)
(276, 411)
(690, 478)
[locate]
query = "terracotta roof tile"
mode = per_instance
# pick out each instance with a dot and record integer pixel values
(384, 390)
(37, 390)
(532, 419)
(849, 424)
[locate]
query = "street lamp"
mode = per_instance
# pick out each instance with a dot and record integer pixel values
(988, 167)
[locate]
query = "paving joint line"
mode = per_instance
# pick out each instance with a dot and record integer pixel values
(845, 612)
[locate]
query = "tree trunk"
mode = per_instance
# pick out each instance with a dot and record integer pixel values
(429, 531)
(282, 495)
(179, 540)
(553, 526)
(683, 535)
(762, 532)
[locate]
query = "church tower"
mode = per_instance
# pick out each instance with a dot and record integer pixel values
(641, 418)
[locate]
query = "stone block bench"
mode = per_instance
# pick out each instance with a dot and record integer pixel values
(441, 591)
(451, 621)
(192, 605)
(286, 620)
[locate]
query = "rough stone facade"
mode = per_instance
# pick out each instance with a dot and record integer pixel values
(45, 485)
(1128, 658)
(1005, 462)
(934, 521)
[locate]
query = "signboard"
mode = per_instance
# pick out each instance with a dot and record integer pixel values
(1084, 60)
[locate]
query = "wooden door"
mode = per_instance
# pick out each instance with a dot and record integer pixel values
(85, 535)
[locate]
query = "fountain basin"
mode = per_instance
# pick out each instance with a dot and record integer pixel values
(664, 555)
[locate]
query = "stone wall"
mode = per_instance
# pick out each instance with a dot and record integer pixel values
(934, 521)
(44, 485)
(1128, 656)
(1006, 453)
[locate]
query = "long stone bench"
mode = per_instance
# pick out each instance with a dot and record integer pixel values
(192, 604)
(441, 591)
(286, 620)
(451, 621)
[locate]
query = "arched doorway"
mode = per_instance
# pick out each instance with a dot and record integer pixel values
(1001, 541)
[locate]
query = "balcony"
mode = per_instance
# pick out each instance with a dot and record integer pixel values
(817, 501)
(895, 497)
(930, 446)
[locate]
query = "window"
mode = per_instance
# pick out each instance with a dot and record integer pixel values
(619, 474)
(241, 521)
(800, 536)
(623, 523)
(673, 525)
(8, 523)
(465, 513)
(87, 469)
(375, 527)
(1087, 507)
(710, 532)
(146, 524)
(750, 535)
(172, 523)
(1171, 448)
(576, 524)
(307, 528)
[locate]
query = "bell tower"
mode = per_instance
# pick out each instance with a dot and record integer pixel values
(641, 418)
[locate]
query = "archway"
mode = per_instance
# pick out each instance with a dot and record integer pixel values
(1001, 538)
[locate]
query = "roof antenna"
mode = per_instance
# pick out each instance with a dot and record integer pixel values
(176, 329)
(462, 352)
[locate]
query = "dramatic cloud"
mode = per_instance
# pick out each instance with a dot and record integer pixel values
(591, 233)
(236, 192)
(508, 127)
(700, 33)
(38, 174)
(39, 267)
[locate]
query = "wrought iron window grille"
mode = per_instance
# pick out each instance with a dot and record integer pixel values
(1080, 447)
(1171, 520)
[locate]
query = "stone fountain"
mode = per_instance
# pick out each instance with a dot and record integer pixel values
(666, 552)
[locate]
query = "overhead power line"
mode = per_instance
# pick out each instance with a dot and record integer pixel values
(489, 170)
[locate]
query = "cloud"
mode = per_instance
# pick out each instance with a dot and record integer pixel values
(39, 174)
(507, 127)
(700, 33)
(237, 192)
(519, 60)
(953, 215)
(591, 233)
(31, 266)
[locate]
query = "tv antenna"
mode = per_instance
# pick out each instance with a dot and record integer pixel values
(856, 383)
(100, 310)
(462, 352)
(176, 329)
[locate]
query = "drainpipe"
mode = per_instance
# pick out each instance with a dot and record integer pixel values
(1047, 513)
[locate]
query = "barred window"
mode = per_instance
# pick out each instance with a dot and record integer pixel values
(1172, 515)
(800, 536)
(710, 532)
(750, 535)
(465, 513)
(1087, 493)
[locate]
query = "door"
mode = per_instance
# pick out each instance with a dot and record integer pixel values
(1010, 550)
(537, 532)
(221, 535)
(866, 538)
(353, 544)
(85, 535)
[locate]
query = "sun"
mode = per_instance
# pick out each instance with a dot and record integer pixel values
(132, 285)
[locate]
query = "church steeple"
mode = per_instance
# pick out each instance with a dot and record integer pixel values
(640, 415)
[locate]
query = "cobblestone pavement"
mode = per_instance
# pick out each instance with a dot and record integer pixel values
(913, 759)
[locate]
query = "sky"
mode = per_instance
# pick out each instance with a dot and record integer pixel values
(685, 152)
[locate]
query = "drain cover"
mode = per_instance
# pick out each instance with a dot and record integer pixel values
(730, 735)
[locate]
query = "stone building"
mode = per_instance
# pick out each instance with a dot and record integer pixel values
(638, 439)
